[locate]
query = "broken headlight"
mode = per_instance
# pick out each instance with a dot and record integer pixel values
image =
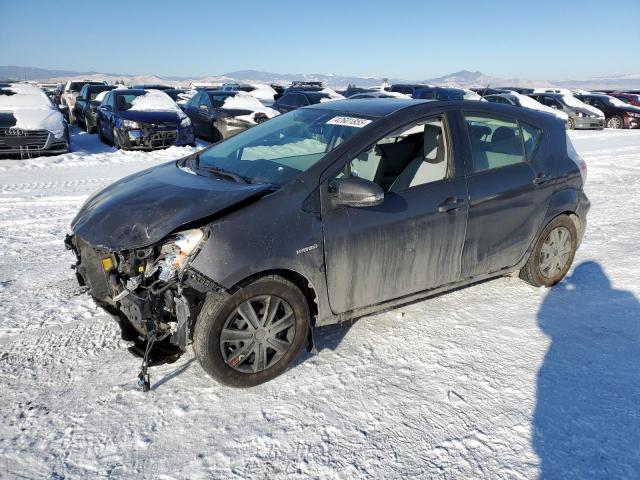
(177, 252)
(129, 124)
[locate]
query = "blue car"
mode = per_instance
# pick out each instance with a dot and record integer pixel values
(142, 120)
(445, 93)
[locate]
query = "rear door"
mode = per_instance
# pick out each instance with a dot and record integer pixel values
(413, 240)
(509, 190)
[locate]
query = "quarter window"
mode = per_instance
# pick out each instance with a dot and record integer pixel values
(495, 143)
(531, 137)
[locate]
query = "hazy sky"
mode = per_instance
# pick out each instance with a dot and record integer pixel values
(407, 39)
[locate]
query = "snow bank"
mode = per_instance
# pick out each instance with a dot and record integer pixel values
(32, 109)
(245, 101)
(156, 101)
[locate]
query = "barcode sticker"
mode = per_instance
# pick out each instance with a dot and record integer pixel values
(349, 121)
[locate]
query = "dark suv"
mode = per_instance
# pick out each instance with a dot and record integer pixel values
(325, 214)
(85, 110)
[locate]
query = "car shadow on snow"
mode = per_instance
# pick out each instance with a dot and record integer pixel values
(83, 142)
(586, 422)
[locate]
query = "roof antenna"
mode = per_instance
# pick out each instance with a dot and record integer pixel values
(484, 92)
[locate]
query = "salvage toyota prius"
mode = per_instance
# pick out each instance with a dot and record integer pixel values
(329, 213)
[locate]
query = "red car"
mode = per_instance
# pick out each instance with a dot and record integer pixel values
(630, 98)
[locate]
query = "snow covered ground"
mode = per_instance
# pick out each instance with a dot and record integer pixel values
(500, 380)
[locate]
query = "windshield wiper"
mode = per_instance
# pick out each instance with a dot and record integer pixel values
(224, 173)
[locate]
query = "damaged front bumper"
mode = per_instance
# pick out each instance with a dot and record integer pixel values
(151, 137)
(139, 287)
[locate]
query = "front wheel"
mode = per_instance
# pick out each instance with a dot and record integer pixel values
(552, 254)
(615, 122)
(252, 336)
(571, 124)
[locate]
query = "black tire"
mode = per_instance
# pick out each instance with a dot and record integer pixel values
(571, 124)
(115, 142)
(532, 272)
(615, 122)
(216, 136)
(100, 136)
(216, 311)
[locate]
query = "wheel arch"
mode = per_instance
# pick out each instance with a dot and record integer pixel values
(303, 283)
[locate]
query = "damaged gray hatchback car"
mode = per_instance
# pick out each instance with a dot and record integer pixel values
(325, 214)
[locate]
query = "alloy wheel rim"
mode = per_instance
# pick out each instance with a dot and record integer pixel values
(555, 252)
(257, 334)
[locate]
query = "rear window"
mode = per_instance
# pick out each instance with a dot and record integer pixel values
(495, 143)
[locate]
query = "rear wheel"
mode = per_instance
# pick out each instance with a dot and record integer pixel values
(252, 336)
(552, 254)
(615, 122)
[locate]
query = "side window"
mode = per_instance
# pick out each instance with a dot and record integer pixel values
(531, 137)
(409, 157)
(495, 143)
(194, 100)
(204, 100)
(287, 100)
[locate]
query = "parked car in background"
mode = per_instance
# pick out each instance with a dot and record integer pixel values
(85, 110)
(352, 90)
(379, 94)
(580, 114)
(71, 92)
(518, 100)
(407, 88)
(520, 90)
(483, 91)
(445, 93)
(180, 95)
(30, 125)
(292, 100)
(618, 114)
(53, 91)
(220, 114)
(628, 98)
(306, 220)
(132, 119)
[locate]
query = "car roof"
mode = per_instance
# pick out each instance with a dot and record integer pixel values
(375, 107)
(229, 93)
(381, 107)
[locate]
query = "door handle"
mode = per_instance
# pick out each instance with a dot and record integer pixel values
(451, 204)
(541, 178)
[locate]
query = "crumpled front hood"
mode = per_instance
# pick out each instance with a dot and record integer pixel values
(143, 208)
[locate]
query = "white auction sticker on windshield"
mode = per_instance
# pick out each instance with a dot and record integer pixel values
(349, 121)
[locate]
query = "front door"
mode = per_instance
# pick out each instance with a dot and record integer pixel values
(413, 240)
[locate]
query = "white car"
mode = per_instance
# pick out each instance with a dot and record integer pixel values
(72, 91)
(30, 125)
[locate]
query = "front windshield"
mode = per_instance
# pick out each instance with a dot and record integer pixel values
(616, 102)
(572, 101)
(125, 102)
(278, 150)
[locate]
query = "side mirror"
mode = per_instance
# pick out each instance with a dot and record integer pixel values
(357, 192)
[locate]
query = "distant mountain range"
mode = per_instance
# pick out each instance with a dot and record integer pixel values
(463, 78)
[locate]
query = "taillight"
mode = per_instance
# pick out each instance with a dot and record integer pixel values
(573, 154)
